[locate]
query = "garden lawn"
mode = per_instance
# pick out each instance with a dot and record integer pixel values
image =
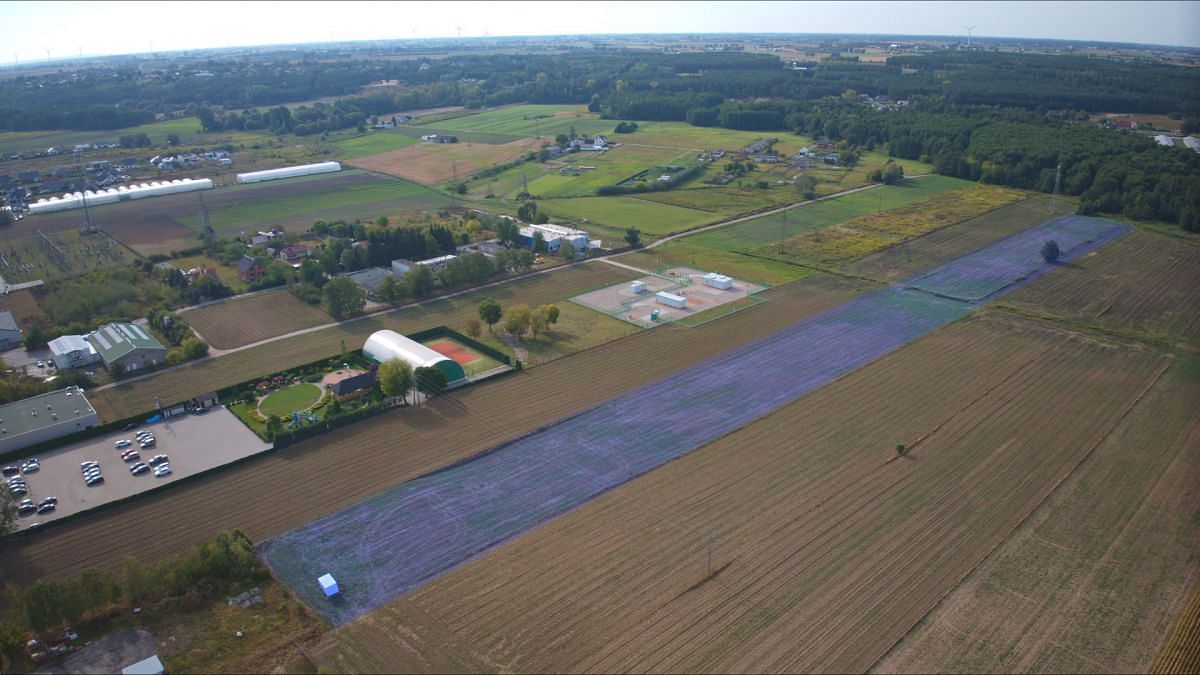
(297, 397)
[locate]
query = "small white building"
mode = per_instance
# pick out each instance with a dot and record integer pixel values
(1192, 142)
(718, 281)
(670, 300)
(72, 351)
(1164, 140)
(328, 585)
(555, 235)
(637, 287)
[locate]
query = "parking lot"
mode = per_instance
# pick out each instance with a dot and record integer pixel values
(193, 443)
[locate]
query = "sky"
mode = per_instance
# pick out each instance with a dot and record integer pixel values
(68, 29)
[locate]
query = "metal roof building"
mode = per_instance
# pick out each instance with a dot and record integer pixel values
(10, 332)
(45, 417)
(288, 172)
(384, 345)
(72, 351)
(121, 193)
(127, 346)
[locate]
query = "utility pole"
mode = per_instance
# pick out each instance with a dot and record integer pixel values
(208, 228)
(89, 227)
(710, 543)
(969, 29)
(1057, 184)
(782, 231)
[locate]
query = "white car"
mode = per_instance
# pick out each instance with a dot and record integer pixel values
(162, 470)
(31, 466)
(123, 443)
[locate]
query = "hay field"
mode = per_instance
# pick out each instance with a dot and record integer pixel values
(242, 321)
(432, 163)
(618, 213)
(828, 546)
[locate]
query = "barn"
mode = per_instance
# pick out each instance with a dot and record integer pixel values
(384, 345)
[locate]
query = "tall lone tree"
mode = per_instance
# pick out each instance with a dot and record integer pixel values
(396, 378)
(490, 312)
(1050, 252)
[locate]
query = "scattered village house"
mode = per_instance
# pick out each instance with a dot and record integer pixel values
(127, 347)
(554, 236)
(294, 255)
(401, 266)
(251, 270)
(370, 279)
(349, 383)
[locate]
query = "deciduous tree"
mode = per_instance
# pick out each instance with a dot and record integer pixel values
(490, 312)
(396, 378)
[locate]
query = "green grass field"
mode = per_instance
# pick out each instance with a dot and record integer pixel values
(726, 201)
(684, 252)
(484, 137)
(296, 397)
(610, 167)
(365, 202)
(687, 137)
(530, 120)
(372, 143)
(757, 232)
(188, 129)
(618, 213)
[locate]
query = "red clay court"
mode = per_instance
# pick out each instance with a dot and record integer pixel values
(458, 353)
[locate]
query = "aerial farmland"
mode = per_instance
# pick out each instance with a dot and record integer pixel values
(744, 377)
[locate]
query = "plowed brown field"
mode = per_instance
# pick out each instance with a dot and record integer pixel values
(210, 374)
(1143, 283)
(24, 307)
(432, 163)
(1182, 651)
(277, 492)
(243, 321)
(828, 546)
(1092, 581)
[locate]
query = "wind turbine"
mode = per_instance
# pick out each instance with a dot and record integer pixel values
(969, 29)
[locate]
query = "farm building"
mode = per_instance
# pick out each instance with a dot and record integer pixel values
(288, 172)
(671, 300)
(718, 281)
(45, 417)
(370, 279)
(250, 269)
(384, 345)
(72, 351)
(1165, 140)
(554, 236)
(1192, 142)
(400, 266)
(119, 194)
(637, 287)
(127, 347)
(10, 332)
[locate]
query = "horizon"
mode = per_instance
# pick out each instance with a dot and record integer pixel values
(74, 30)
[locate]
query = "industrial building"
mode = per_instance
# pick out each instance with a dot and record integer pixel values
(400, 266)
(554, 236)
(76, 200)
(288, 172)
(670, 300)
(72, 351)
(718, 281)
(127, 347)
(45, 417)
(384, 345)
(369, 279)
(10, 332)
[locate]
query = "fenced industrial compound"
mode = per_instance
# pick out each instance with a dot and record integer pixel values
(638, 301)
(58, 255)
(399, 539)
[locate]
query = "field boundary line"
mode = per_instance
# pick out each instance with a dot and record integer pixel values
(1049, 493)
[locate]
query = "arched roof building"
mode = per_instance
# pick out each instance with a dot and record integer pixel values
(384, 345)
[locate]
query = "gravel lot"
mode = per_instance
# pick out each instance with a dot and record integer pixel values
(194, 443)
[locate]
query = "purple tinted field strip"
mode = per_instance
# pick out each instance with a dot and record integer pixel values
(391, 543)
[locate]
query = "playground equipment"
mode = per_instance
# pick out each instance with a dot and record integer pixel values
(298, 416)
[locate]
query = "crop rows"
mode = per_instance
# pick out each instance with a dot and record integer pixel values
(433, 523)
(826, 545)
(243, 321)
(978, 276)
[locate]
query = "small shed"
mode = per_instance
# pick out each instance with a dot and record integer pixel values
(328, 585)
(671, 300)
(718, 281)
(637, 287)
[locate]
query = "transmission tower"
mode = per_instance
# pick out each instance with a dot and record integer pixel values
(208, 228)
(969, 30)
(89, 227)
(782, 231)
(1057, 185)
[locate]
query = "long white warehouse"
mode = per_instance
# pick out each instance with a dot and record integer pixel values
(288, 172)
(75, 200)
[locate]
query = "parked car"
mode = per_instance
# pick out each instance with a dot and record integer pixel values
(48, 500)
(123, 443)
(11, 470)
(139, 469)
(148, 443)
(19, 490)
(143, 432)
(46, 508)
(26, 507)
(93, 480)
(129, 427)
(31, 466)
(162, 470)
(83, 466)
(157, 459)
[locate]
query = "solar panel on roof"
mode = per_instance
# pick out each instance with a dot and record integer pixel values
(100, 338)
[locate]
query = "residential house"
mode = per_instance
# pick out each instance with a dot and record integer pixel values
(26, 177)
(831, 158)
(128, 164)
(98, 165)
(250, 269)
(350, 383)
(293, 255)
